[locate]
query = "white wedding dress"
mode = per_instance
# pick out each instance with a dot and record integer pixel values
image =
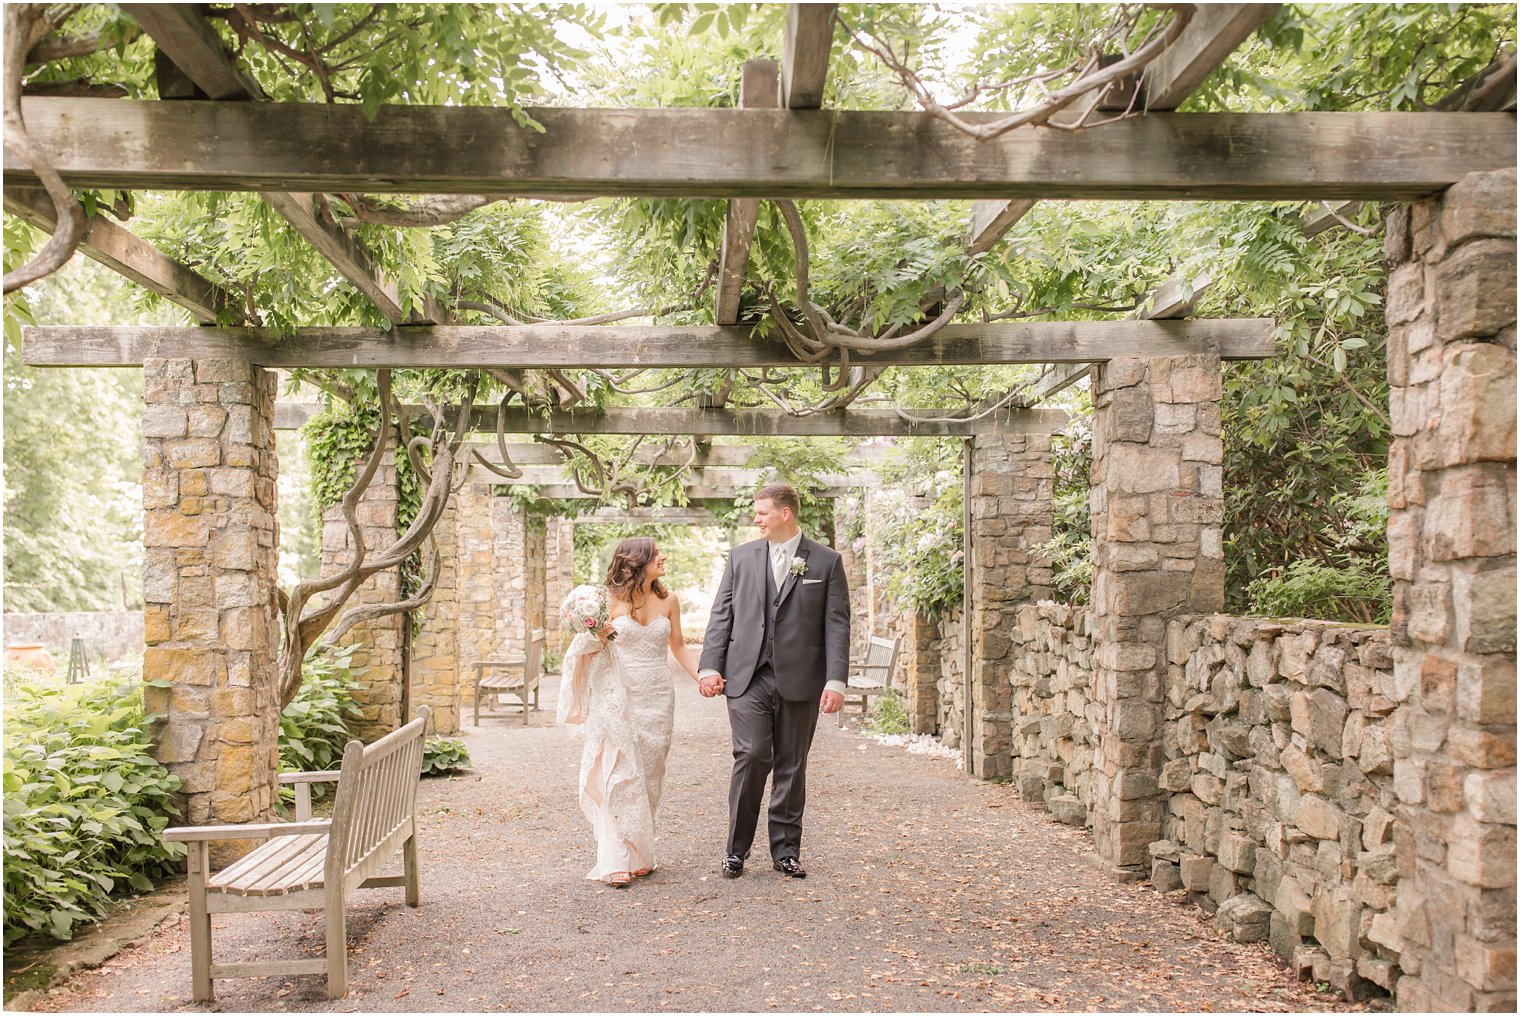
(626, 699)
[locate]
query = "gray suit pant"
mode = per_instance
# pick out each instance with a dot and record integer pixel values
(771, 738)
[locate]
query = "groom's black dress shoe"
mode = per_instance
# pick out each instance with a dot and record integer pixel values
(733, 865)
(789, 867)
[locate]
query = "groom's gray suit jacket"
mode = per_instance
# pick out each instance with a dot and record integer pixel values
(805, 633)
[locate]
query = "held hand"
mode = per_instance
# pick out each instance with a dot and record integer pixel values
(710, 686)
(832, 702)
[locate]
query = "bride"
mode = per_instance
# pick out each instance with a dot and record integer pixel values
(618, 682)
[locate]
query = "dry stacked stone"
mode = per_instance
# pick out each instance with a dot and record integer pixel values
(1053, 708)
(1278, 771)
(1010, 493)
(1451, 536)
(210, 623)
(1157, 502)
(377, 659)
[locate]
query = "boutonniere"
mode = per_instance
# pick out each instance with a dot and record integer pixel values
(799, 566)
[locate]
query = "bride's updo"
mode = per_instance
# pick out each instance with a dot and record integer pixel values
(626, 571)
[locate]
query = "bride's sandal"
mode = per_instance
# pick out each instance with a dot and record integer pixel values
(619, 879)
(642, 872)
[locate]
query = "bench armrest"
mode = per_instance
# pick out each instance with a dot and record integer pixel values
(251, 831)
(326, 776)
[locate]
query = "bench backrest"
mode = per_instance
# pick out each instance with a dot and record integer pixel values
(376, 803)
(881, 660)
(535, 655)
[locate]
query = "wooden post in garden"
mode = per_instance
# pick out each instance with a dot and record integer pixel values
(211, 627)
(1451, 553)
(1157, 508)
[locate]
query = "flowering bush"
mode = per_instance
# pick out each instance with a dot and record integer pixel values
(920, 540)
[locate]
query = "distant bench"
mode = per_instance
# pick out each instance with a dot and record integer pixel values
(872, 675)
(518, 676)
(312, 864)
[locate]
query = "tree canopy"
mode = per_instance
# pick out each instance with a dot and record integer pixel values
(1305, 433)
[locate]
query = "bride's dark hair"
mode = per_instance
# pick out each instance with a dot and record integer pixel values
(626, 572)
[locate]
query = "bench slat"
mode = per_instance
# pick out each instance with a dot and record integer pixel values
(245, 869)
(287, 876)
(277, 872)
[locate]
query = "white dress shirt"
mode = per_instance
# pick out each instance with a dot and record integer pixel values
(781, 555)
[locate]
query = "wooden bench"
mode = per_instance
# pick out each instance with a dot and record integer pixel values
(312, 864)
(519, 677)
(870, 676)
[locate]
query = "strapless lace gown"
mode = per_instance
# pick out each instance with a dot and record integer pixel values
(626, 700)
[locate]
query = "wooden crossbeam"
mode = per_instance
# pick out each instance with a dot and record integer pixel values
(616, 346)
(1171, 300)
(805, 54)
(663, 516)
(123, 251)
(661, 422)
(710, 456)
(758, 89)
(1214, 33)
(849, 423)
(187, 39)
(1490, 90)
(694, 492)
(747, 479)
(723, 153)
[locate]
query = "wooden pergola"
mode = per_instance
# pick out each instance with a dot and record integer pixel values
(1155, 375)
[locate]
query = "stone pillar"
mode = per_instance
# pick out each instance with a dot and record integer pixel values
(378, 695)
(210, 624)
(1451, 550)
(559, 576)
(1010, 490)
(919, 669)
(517, 556)
(435, 644)
(1157, 506)
(853, 559)
(476, 575)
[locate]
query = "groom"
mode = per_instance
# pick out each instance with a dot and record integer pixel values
(778, 646)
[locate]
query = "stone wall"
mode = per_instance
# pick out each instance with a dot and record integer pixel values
(378, 659)
(950, 678)
(1275, 773)
(434, 663)
(1053, 710)
(114, 635)
(1451, 544)
(210, 623)
(1278, 771)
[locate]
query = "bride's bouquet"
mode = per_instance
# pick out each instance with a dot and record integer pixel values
(585, 609)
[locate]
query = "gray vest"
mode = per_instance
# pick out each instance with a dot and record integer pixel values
(772, 595)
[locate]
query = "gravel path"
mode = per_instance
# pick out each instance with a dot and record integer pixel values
(927, 892)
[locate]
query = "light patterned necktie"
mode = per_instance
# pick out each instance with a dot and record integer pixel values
(778, 563)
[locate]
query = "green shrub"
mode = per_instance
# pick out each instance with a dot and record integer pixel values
(1353, 591)
(314, 727)
(888, 715)
(442, 755)
(85, 804)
